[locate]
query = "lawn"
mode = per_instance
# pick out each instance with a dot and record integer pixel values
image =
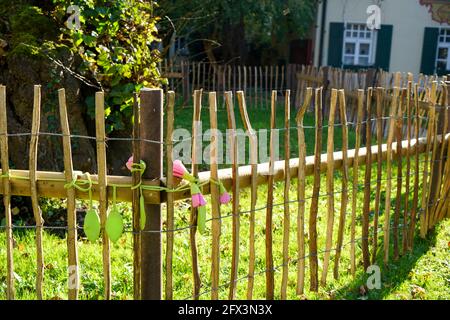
(422, 274)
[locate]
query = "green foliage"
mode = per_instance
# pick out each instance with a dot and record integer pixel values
(31, 20)
(115, 44)
(114, 49)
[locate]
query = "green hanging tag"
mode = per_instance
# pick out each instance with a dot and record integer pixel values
(143, 216)
(91, 225)
(114, 225)
(201, 219)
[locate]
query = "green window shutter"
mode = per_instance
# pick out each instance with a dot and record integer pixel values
(384, 45)
(335, 44)
(429, 51)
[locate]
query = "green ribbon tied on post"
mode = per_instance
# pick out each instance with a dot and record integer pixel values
(91, 225)
(140, 167)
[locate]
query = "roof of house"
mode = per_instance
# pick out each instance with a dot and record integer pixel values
(440, 9)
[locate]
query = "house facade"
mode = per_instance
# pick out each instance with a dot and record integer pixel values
(413, 35)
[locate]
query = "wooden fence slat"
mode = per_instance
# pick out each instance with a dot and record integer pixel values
(214, 79)
(438, 199)
(271, 87)
(367, 182)
(10, 291)
(298, 91)
(432, 183)
(244, 68)
(73, 282)
(230, 88)
(360, 103)
(188, 82)
(301, 192)
(194, 87)
(215, 204)
(250, 95)
(239, 78)
(379, 124)
(256, 87)
(204, 75)
(235, 188)
(407, 213)
(276, 77)
(269, 211)
(313, 260)
(261, 89)
(439, 158)
(253, 142)
(424, 202)
(224, 75)
(398, 200)
(208, 77)
(102, 185)
(440, 210)
(34, 140)
(199, 85)
(135, 205)
(387, 216)
(170, 197)
(287, 184)
(330, 187)
(417, 122)
(194, 211)
(234, 78)
(345, 178)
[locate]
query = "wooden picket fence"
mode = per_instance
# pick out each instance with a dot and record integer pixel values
(427, 178)
(352, 81)
(257, 81)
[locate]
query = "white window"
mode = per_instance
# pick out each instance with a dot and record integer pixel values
(443, 54)
(359, 44)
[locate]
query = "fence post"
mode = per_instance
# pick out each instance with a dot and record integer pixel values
(151, 126)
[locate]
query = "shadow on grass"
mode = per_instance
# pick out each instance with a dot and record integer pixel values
(392, 275)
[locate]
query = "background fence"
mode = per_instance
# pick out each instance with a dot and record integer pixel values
(258, 81)
(421, 196)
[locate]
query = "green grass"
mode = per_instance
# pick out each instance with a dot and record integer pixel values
(422, 274)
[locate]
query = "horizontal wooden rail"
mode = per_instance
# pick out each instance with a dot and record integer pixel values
(51, 184)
